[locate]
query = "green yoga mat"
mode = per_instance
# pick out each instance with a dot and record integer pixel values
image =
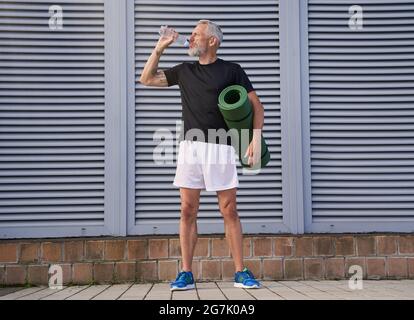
(237, 112)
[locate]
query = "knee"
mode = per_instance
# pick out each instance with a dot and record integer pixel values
(229, 211)
(188, 211)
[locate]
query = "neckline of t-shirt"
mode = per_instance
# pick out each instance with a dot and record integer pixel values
(208, 64)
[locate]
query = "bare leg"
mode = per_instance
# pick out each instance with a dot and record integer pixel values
(232, 225)
(190, 200)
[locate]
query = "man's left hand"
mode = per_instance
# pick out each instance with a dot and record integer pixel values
(253, 151)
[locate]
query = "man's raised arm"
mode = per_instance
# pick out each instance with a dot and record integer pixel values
(150, 75)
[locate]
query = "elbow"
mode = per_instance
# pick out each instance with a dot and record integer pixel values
(143, 81)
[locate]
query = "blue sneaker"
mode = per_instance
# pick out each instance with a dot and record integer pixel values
(245, 279)
(184, 281)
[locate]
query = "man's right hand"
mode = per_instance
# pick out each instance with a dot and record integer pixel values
(151, 76)
(166, 40)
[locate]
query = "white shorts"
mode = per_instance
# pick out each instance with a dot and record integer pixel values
(209, 166)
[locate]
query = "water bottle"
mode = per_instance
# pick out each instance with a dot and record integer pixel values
(181, 40)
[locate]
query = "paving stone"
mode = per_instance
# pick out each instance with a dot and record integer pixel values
(209, 291)
(222, 290)
(136, 292)
(113, 292)
(89, 293)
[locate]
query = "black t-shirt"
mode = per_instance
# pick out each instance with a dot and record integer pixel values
(200, 86)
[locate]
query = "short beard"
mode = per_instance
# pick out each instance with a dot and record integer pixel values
(195, 52)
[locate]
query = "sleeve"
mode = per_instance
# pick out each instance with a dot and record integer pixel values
(173, 74)
(242, 79)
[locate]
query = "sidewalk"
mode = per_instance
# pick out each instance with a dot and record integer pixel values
(220, 290)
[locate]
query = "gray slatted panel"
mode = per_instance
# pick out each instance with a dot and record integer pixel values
(251, 38)
(362, 111)
(51, 115)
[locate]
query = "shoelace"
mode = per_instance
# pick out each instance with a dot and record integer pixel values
(246, 275)
(250, 274)
(181, 276)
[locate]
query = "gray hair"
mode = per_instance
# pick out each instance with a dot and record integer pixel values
(213, 29)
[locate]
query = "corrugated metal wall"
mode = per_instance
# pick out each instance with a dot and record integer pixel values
(60, 105)
(361, 100)
(251, 38)
(52, 120)
(77, 129)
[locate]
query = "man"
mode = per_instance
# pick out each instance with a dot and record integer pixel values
(200, 84)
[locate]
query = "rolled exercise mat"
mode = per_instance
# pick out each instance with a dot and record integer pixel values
(234, 105)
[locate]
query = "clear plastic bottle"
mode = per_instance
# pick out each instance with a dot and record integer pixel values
(181, 40)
